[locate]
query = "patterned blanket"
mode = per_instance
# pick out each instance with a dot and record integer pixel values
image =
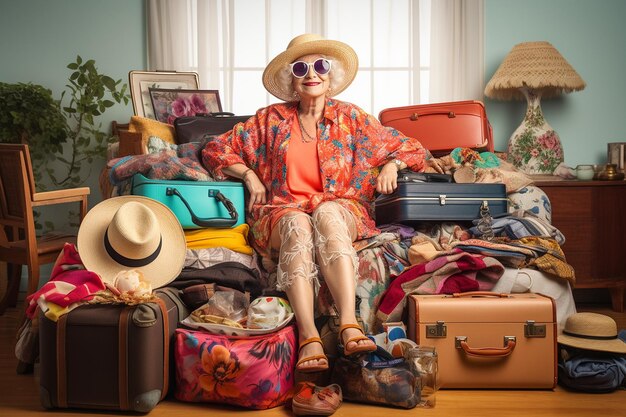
(179, 164)
(431, 277)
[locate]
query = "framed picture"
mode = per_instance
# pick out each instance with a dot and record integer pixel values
(168, 104)
(141, 81)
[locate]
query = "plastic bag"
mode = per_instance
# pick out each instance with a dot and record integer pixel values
(226, 307)
(423, 361)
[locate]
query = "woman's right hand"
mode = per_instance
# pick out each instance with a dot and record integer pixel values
(258, 193)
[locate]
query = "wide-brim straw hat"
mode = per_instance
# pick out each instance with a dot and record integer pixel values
(592, 331)
(308, 44)
(132, 233)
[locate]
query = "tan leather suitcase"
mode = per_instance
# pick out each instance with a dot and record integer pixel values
(488, 340)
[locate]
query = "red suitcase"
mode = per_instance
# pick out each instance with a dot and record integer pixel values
(108, 356)
(441, 127)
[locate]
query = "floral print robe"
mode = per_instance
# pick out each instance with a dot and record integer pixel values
(352, 147)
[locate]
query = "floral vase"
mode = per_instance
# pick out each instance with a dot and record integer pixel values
(534, 147)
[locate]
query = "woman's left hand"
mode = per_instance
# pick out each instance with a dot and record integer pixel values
(387, 180)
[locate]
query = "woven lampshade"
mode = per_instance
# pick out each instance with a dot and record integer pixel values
(537, 65)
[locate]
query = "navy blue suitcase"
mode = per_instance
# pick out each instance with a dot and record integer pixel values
(415, 202)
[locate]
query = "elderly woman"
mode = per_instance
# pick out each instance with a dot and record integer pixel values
(311, 166)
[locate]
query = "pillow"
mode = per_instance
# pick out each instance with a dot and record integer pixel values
(151, 127)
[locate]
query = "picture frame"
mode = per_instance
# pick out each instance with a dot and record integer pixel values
(141, 81)
(170, 103)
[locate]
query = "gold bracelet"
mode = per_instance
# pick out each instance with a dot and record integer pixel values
(243, 176)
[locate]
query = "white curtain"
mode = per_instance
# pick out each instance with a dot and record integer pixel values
(199, 35)
(457, 49)
(189, 35)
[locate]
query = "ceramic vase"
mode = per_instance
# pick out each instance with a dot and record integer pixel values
(534, 147)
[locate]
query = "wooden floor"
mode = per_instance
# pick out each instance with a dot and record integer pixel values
(19, 395)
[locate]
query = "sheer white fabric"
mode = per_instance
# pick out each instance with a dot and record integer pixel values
(457, 49)
(229, 42)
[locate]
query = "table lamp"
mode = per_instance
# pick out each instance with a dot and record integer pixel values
(533, 70)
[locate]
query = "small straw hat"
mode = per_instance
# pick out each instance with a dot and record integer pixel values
(537, 65)
(132, 232)
(592, 331)
(308, 44)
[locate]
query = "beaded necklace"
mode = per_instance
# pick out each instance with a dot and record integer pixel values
(310, 138)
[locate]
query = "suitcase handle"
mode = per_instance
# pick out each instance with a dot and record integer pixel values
(479, 294)
(450, 114)
(509, 345)
(216, 114)
(214, 221)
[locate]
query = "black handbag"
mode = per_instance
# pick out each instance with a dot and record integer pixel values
(194, 128)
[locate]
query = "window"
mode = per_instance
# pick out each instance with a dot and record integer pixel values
(381, 32)
(229, 43)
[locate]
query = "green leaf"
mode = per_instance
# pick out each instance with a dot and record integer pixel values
(108, 82)
(72, 66)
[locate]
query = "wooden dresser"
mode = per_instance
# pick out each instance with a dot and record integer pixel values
(592, 216)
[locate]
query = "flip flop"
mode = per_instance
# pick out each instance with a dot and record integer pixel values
(358, 348)
(313, 368)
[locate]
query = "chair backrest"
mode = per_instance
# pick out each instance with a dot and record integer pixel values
(16, 190)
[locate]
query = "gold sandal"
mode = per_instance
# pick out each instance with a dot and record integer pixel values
(358, 348)
(313, 368)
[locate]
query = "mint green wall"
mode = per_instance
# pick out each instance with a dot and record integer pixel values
(40, 37)
(591, 36)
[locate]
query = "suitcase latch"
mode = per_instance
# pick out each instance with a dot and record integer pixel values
(534, 330)
(436, 330)
(442, 199)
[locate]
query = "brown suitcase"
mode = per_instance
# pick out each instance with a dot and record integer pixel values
(488, 340)
(109, 356)
(441, 127)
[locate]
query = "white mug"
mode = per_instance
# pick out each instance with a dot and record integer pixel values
(585, 172)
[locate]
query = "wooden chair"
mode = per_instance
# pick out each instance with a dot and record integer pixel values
(19, 244)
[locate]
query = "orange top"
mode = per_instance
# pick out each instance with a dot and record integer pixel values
(303, 171)
(303, 167)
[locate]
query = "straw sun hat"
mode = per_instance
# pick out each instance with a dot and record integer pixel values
(592, 331)
(132, 232)
(308, 44)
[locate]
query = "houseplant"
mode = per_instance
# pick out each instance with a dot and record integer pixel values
(29, 114)
(64, 136)
(89, 94)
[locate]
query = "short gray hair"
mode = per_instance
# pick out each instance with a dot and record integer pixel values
(336, 77)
